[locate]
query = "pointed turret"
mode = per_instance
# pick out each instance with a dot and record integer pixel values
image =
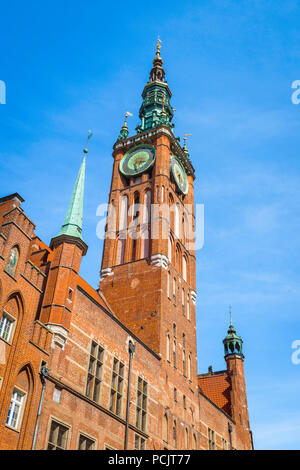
(233, 344)
(156, 109)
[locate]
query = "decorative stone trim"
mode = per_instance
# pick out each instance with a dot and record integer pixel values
(159, 260)
(60, 335)
(106, 272)
(193, 296)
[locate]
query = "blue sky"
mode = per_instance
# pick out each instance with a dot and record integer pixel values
(73, 66)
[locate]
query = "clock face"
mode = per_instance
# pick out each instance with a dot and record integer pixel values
(137, 160)
(179, 175)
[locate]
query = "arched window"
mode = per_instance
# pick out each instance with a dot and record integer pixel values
(168, 347)
(183, 363)
(123, 212)
(136, 206)
(183, 301)
(178, 258)
(174, 434)
(162, 194)
(184, 268)
(120, 251)
(165, 428)
(174, 289)
(169, 285)
(12, 261)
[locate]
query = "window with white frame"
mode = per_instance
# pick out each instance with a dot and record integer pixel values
(15, 409)
(6, 327)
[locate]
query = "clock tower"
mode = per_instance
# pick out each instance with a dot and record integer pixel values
(148, 266)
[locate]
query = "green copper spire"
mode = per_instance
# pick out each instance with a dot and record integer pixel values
(156, 109)
(73, 221)
(233, 344)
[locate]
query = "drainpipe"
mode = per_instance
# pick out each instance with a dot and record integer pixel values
(131, 350)
(230, 435)
(44, 372)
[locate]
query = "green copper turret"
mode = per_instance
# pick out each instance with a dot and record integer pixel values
(156, 109)
(233, 344)
(72, 225)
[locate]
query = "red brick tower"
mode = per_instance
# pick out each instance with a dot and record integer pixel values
(148, 266)
(233, 348)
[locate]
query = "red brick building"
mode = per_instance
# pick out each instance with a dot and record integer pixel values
(115, 367)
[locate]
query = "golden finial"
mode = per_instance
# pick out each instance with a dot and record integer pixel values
(126, 116)
(85, 150)
(158, 46)
(185, 137)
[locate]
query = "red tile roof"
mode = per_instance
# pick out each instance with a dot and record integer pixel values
(217, 387)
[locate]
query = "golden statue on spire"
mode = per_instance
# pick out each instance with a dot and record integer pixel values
(158, 46)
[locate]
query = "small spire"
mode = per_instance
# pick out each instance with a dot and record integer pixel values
(124, 129)
(158, 46)
(184, 145)
(233, 343)
(72, 225)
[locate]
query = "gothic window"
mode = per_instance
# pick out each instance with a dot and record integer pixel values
(145, 243)
(163, 194)
(188, 308)
(123, 213)
(178, 258)
(174, 353)
(183, 301)
(12, 261)
(174, 289)
(183, 363)
(136, 206)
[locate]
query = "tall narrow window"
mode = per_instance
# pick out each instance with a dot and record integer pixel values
(170, 250)
(120, 251)
(162, 194)
(165, 428)
(12, 261)
(184, 268)
(141, 404)
(183, 301)
(136, 207)
(157, 194)
(186, 439)
(116, 391)
(58, 436)
(133, 255)
(194, 442)
(177, 220)
(183, 363)
(175, 434)
(147, 207)
(168, 347)
(95, 371)
(174, 353)
(174, 289)
(15, 409)
(211, 439)
(145, 245)
(189, 367)
(188, 316)
(123, 213)
(169, 285)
